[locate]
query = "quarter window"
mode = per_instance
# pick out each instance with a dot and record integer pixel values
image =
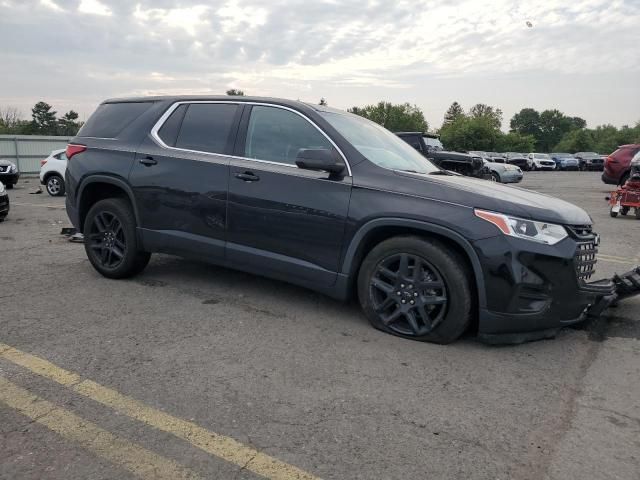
(171, 127)
(276, 135)
(207, 127)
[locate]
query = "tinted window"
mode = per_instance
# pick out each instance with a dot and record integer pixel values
(276, 135)
(206, 127)
(169, 131)
(111, 118)
(413, 141)
(60, 156)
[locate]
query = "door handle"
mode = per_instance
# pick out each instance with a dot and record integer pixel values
(148, 161)
(247, 177)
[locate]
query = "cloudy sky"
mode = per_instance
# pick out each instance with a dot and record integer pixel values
(582, 56)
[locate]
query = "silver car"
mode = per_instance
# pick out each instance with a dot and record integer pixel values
(504, 172)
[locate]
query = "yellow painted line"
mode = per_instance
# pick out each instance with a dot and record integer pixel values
(62, 207)
(127, 455)
(213, 443)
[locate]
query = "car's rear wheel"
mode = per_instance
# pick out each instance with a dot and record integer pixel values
(55, 185)
(110, 239)
(416, 288)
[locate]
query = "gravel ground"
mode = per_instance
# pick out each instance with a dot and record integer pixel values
(303, 378)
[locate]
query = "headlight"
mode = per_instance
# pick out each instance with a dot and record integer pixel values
(541, 232)
(1, 187)
(12, 168)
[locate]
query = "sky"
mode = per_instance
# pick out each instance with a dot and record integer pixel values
(581, 57)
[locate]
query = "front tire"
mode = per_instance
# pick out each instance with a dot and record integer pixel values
(416, 288)
(495, 177)
(55, 185)
(110, 239)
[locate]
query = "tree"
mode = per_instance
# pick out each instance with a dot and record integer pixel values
(452, 113)
(576, 141)
(471, 133)
(515, 142)
(553, 126)
(323, 102)
(578, 122)
(10, 121)
(526, 122)
(494, 115)
(400, 117)
(43, 121)
(68, 124)
(234, 92)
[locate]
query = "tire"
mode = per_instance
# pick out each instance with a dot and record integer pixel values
(612, 213)
(495, 177)
(442, 309)
(624, 211)
(55, 185)
(110, 239)
(637, 213)
(534, 167)
(623, 179)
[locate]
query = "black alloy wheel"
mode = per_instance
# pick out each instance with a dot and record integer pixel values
(408, 294)
(106, 238)
(111, 241)
(418, 288)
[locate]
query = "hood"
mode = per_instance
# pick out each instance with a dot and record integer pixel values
(496, 197)
(4, 162)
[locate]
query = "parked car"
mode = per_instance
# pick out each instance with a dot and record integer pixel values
(52, 171)
(541, 161)
(565, 161)
(497, 157)
(503, 172)
(9, 173)
(518, 159)
(590, 161)
(4, 203)
(430, 146)
(333, 202)
(617, 166)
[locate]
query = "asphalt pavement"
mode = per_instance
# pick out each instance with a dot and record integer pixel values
(193, 371)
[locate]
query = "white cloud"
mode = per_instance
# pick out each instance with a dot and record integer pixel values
(189, 19)
(52, 5)
(94, 7)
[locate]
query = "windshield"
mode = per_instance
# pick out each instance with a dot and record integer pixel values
(433, 142)
(378, 144)
(562, 155)
(541, 155)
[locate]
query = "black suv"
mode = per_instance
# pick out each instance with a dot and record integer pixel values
(333, 202)
(430, 146)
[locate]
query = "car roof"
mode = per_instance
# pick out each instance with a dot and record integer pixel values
(229, 98)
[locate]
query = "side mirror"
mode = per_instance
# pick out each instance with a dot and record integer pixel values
(319, 159)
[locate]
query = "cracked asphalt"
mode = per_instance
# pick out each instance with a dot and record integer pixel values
(301, 378)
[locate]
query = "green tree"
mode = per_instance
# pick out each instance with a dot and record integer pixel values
(399, 117)
(43, 121)
(471, 133)
(494, 115)
(553, 126)
(515, 142)
(10, 121)
(526, 122)
(452, 113)
(576, 141)
(578, 122)
(234, 92)
(68, 125)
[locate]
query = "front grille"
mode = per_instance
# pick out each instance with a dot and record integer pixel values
(586, 250)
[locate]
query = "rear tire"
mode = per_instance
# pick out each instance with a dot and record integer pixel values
(111, 241)
(416, 288)
(495, 177)
(55, 185)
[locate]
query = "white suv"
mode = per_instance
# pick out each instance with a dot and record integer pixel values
(52, 171)
(541, 161)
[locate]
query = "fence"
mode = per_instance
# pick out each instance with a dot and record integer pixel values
(26, 151)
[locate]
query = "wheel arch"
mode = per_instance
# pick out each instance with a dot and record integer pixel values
(378, 230)
(98, 187)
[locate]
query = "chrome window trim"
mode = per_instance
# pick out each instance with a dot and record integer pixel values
(158, 125)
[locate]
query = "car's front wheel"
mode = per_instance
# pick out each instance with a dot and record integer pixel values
(416, 288)
(55, 185)
(495, 177)
(110, 239)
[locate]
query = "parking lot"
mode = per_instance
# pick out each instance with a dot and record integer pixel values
(193, 371)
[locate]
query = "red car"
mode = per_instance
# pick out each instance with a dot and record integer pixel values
(618, 165)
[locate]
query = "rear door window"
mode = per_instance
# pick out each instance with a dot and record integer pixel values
(168, 133)
(112, 118)
(207, 127)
